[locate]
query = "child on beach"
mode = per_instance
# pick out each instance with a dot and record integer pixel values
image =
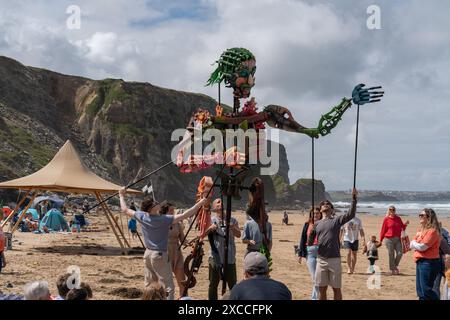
(447, 278)
(132, 226)
(372, 252)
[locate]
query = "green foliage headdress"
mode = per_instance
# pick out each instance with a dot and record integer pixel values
(228, 63)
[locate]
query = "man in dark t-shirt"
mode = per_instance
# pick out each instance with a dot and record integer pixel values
(256, 284)
(328, 269)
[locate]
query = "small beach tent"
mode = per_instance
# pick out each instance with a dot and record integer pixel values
(67, 173)
(56, 202)
(54, 221)
(33, 212)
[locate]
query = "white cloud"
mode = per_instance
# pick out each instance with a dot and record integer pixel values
(309, 55)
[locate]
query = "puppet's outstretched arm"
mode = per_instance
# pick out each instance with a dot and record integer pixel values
(281, 118)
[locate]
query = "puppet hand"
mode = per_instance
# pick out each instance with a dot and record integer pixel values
(361, 95)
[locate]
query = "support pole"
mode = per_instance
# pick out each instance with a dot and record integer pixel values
(11, 215)
(106, 208)
(356, 146)
(110, 223)
(14, 228)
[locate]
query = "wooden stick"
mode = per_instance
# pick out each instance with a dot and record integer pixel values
(15, 209)
(24, 211)
(110, 223)
(115, 222)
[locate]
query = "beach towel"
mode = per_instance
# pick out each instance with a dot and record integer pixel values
(405, 242)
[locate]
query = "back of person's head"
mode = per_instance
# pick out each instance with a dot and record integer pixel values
(154, 291)
(147, 204)
(77, 294)
(255, 263)
(88, 289)
(165, 207)
(37, 290)
(61, 284)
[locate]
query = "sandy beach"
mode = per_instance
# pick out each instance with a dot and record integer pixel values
(115, 276)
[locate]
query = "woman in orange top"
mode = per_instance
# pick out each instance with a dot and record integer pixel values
(426, 254)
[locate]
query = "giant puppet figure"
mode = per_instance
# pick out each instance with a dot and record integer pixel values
(236, 68)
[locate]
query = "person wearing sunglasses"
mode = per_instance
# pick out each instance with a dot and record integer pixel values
(391, 231)
(328, 268)
(155, 229)
(426, 254)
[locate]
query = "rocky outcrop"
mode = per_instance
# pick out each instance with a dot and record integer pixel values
(298, 194)
(120, 128)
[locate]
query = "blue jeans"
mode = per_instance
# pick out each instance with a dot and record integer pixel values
(311, 262)
(426, 272)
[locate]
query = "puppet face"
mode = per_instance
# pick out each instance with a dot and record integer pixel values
(243, 79)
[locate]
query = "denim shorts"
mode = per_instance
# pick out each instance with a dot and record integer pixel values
(351, 245)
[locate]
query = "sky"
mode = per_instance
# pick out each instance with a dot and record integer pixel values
(309, 54)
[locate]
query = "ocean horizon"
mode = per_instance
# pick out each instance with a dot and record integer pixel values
(408, 208)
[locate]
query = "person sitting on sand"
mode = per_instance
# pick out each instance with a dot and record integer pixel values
(285, 219)
(37, 290)
(391, 230)
(154, 291)
(62, 286)
(31, 224)
(371, 250)
(87, 287)
(328, 270)
(77, 294)
(155, 229)
(257, 285)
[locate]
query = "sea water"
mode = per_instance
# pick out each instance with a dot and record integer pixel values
(442, 209)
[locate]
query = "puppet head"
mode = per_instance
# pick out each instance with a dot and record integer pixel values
(237, 67)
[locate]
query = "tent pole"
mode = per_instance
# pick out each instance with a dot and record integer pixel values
(111, 224)
(123, 233)
(115, 221)
(15, 209)
(23, 213)
(117, 226)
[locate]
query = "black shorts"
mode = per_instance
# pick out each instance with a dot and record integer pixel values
(352, 246)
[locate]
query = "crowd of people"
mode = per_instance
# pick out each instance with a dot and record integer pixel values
(162, 230)
(322, 237)
(320, 246)
(67, 287)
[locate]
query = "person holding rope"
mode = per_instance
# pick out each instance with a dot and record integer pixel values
(217, 254)
(155, 228)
